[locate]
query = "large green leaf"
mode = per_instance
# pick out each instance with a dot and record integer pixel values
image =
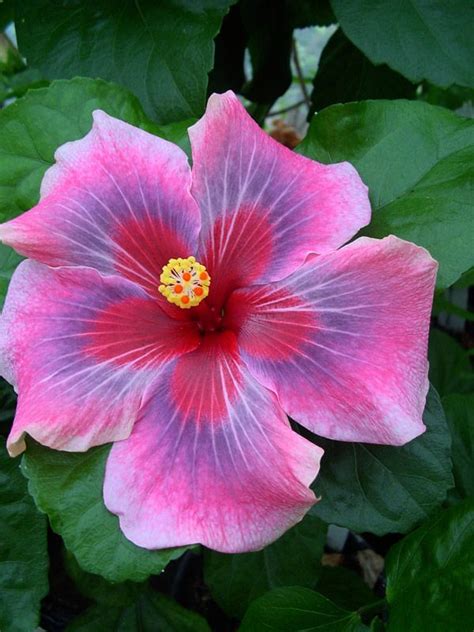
(23, 552)
(453, 98)
(68, 487)
(98, 589)
(304, 13)
(467, 279)
(298, 609)
(460, 413)
(418, 162)
(345, 74)
(377, 625)
(270, 35)
(15, 86)
(422, 39)
(294, 559)
(430, 575)
(161, 51)
(128, 606)
(385, 489)
(344, 587)
(450, 367)
(228, 70)
(33, 128)
(6, 13)
(148, 612)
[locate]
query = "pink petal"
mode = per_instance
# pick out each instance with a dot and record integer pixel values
(117, 200)
(81, 350)
(212, 459)
(343, 341)
(264, 208)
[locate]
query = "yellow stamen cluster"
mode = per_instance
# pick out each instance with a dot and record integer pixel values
(185, 282)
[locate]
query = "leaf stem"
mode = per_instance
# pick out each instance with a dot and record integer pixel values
(299, 73)
(287, 109)
(372, 608)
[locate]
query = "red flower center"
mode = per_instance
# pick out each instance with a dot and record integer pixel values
(209, 319)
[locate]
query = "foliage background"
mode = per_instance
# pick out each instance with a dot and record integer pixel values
(392, 92)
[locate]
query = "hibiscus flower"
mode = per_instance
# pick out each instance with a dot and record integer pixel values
(183, 314)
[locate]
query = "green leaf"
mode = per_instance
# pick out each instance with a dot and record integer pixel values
(9, 260)
(422, 40)
(430, 574)
(10, 59)
(236, 580)
(452, 98)
(344, 587)
(385, 489)
(443, 304)
(450, 368)
(228, 71)
(460, 413)
(96, 588)
(6, 13)
(128, 606)
(7, 403)
(23, 550)
(377, 625)
(270, 36)
(149, 612)
(68, 487)
(16, 85)
(34, 126)
(298, 609)
(345, 74)
(161, 51)
(467, 279)
(418, 162)
(304, 13)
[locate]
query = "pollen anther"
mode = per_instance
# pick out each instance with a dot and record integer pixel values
(184, 282)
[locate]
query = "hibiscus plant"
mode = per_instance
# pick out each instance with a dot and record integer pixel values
(237, 252)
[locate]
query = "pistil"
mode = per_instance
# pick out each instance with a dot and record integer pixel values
(184, 282)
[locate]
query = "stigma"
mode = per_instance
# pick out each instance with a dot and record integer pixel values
(184, 282)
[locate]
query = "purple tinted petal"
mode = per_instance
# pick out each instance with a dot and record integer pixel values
(212, 459)
(81, 350)
(264, 208)
(117, 200)
(343, 341)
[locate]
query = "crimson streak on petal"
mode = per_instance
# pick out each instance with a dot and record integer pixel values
(224, 469)
(343, 341)
(118, 200)
(82, 350)
(265, 208)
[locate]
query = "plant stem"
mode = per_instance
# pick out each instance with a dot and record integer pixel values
(299, 72)
(287, 109)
